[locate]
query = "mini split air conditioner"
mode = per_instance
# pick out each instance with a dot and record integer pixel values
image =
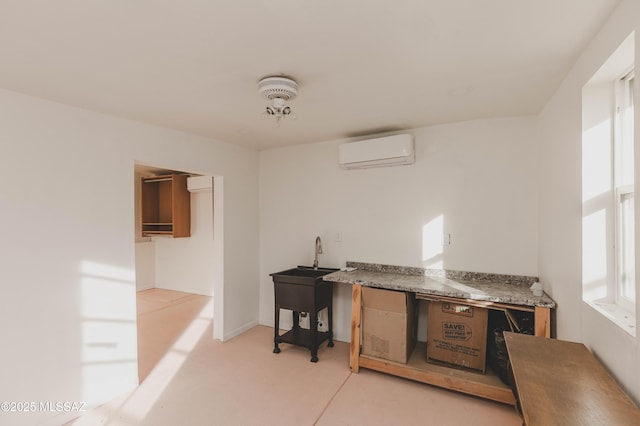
(199, 183)
(379, 152)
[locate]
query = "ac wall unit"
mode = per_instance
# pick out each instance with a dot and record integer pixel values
(386, 151)
(199, 183)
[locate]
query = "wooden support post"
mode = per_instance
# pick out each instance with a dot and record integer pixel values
(356, 318)
(542, 320)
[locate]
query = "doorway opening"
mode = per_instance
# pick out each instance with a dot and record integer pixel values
(176, 278)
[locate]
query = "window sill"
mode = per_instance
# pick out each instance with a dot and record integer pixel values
(621, 317)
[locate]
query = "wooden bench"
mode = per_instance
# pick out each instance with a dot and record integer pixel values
(562, 383)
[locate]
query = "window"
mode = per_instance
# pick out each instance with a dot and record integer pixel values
(624, 194)
(608, 193)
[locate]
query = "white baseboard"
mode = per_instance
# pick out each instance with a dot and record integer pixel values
(238, 331)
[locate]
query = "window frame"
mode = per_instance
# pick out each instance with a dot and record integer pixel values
(623, 185)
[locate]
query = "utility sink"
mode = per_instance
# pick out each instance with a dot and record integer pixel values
(304, 275)
(303, 291)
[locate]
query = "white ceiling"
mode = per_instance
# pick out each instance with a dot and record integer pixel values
(363, 66)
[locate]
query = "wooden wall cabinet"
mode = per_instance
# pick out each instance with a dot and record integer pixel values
(166, 206)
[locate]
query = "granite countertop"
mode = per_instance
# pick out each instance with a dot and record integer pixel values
(497, 288)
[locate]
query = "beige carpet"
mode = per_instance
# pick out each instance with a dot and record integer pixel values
(198, 381)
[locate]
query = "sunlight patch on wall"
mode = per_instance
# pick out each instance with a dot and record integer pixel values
(597, 191)
(594, 255)
(596, 161)
(108, 299)
(109, 334)
(432, 243)
(111, 272)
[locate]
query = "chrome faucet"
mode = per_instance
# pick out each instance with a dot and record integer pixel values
(318, 251)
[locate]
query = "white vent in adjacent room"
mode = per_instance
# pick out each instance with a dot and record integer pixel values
(199, 183)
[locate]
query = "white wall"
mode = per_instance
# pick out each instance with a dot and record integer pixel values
(186, 264)
(145, 265)
(481, 176)
(67, 251)
(561, 206)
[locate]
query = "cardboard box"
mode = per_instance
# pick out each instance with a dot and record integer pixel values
(388, 324)
(457, 335)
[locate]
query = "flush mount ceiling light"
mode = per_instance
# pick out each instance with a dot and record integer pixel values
(278, 90)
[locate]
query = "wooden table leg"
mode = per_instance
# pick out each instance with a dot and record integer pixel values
(356, 318)
(542, 325)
